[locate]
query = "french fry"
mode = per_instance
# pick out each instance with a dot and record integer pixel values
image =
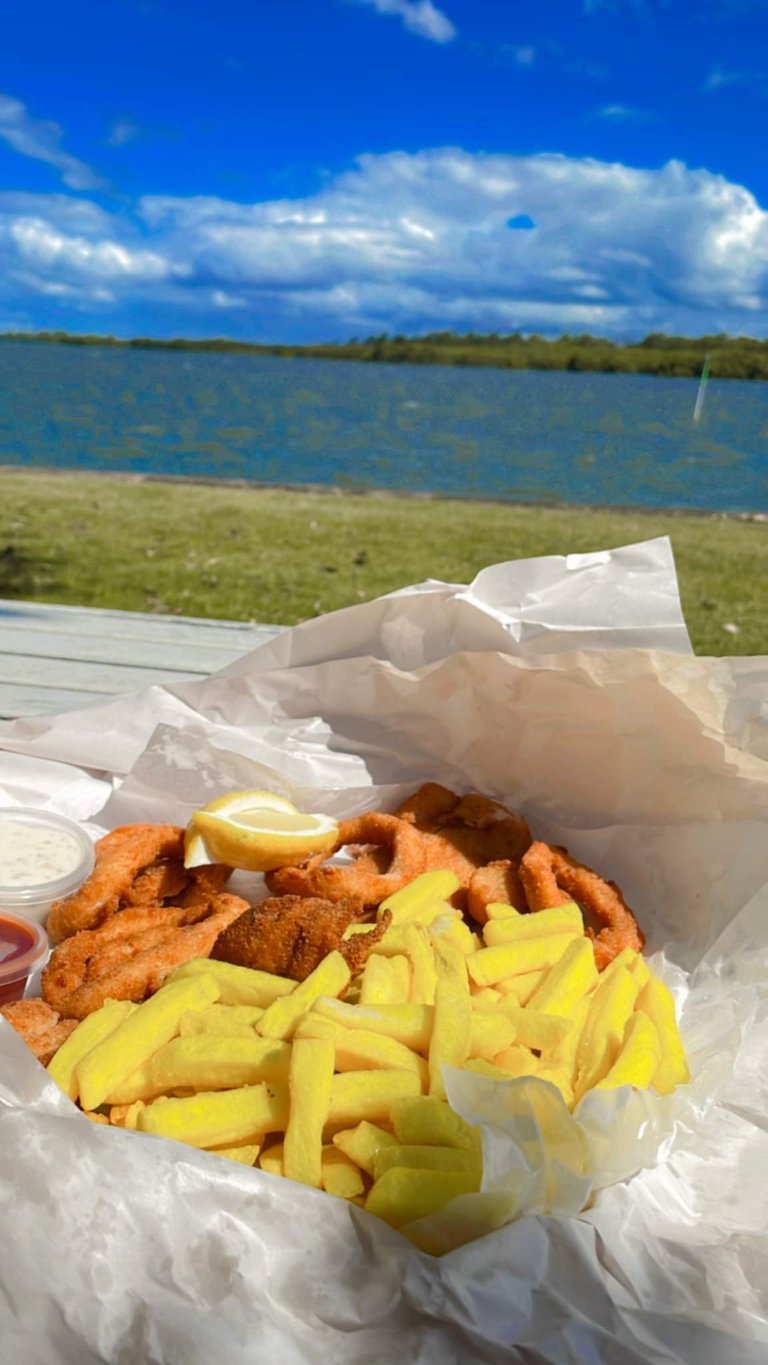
(521, 987)
(489, 1034)
(340, 1175)
(367, 1095)
(330, 977)
(386, 980)
(601, 1040)
(403, 1194)
(484, 997)
(500, 910)
(422, 1119)
(516, 1061)
(452, 929)
(140, 1085)
(483, 1068)
(62, 1067)
(640, 970)
(569, 979)
(219, 1118)
(238, 1020)
(314, 1026)
(237, 985)
(657, 1001)
(245, 1153)
(562, 919)
(271, 1159)
(364, 1050)
(422, 892)
(209, 1061)
(563, 1055)
(418, 947)
(490, 965)
(535, 1028)
(625, 958)
(134, 1041)
(639, 1057)
(310, 1082)
(419, 1157)
(452, 1029)
(560, 1077)
(124, 1115)
(363, 1143)
(408, 1024)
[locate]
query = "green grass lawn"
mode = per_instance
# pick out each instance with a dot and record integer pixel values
(268, 554)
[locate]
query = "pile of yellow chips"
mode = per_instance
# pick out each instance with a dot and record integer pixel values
(348, 1095)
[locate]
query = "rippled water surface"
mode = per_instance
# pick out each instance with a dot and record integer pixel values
(524, 436)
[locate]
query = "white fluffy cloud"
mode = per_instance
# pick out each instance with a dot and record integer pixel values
(41, 139)
(418, 16)
(413, 242)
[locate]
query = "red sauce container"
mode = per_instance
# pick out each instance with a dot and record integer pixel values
(23, 948)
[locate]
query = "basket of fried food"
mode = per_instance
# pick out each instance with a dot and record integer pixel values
(308, 1034)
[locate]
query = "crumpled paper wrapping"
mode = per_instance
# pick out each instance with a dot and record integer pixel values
(567, 688)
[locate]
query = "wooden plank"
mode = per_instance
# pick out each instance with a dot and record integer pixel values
(192, 654)
(91, 675)
(17, 700)
(39, 617)
(60, 658)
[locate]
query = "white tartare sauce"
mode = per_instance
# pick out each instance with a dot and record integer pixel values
(31, 855)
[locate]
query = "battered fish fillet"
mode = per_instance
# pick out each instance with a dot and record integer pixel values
(550, 876)
(135, 865)
(41, 1027)
(130, 955)
(464, 833)
(290, 935)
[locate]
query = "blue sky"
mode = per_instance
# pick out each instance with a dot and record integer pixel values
(326, 168)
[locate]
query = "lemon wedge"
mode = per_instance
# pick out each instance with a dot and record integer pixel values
(257, 831)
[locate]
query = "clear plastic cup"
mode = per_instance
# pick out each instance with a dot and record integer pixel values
(23, 950)
(43, 857)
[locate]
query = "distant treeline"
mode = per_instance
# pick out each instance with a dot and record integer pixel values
(729, 357)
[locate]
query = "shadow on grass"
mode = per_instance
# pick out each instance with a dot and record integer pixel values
(23, 575)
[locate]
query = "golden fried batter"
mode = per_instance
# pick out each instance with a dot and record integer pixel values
(464, 833)
(290, 935)
(551, 877)
(496, 882)
(136, 865)
(41, 1027)
(130, 955)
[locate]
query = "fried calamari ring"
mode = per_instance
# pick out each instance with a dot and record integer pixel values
(462, 834)
(397, 857)
(41, 1027)
(496, 882)
(130, 955)
(551, 877)
(290, 935)
(136, 865)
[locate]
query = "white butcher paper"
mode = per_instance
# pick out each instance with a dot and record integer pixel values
(634, 1230)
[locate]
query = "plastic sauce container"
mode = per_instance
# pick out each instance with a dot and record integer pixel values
(43, 857)
(23, 948)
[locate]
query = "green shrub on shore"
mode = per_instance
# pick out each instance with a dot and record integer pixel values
(657, 354)
(283, 555)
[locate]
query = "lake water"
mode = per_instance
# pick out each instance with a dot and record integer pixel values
(523, 436)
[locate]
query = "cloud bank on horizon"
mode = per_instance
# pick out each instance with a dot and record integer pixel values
(408, 243)
(399, 242)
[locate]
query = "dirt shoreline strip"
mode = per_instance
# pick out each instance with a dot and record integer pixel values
(335, 491)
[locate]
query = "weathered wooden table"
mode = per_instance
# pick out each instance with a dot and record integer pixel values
(59, 658)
